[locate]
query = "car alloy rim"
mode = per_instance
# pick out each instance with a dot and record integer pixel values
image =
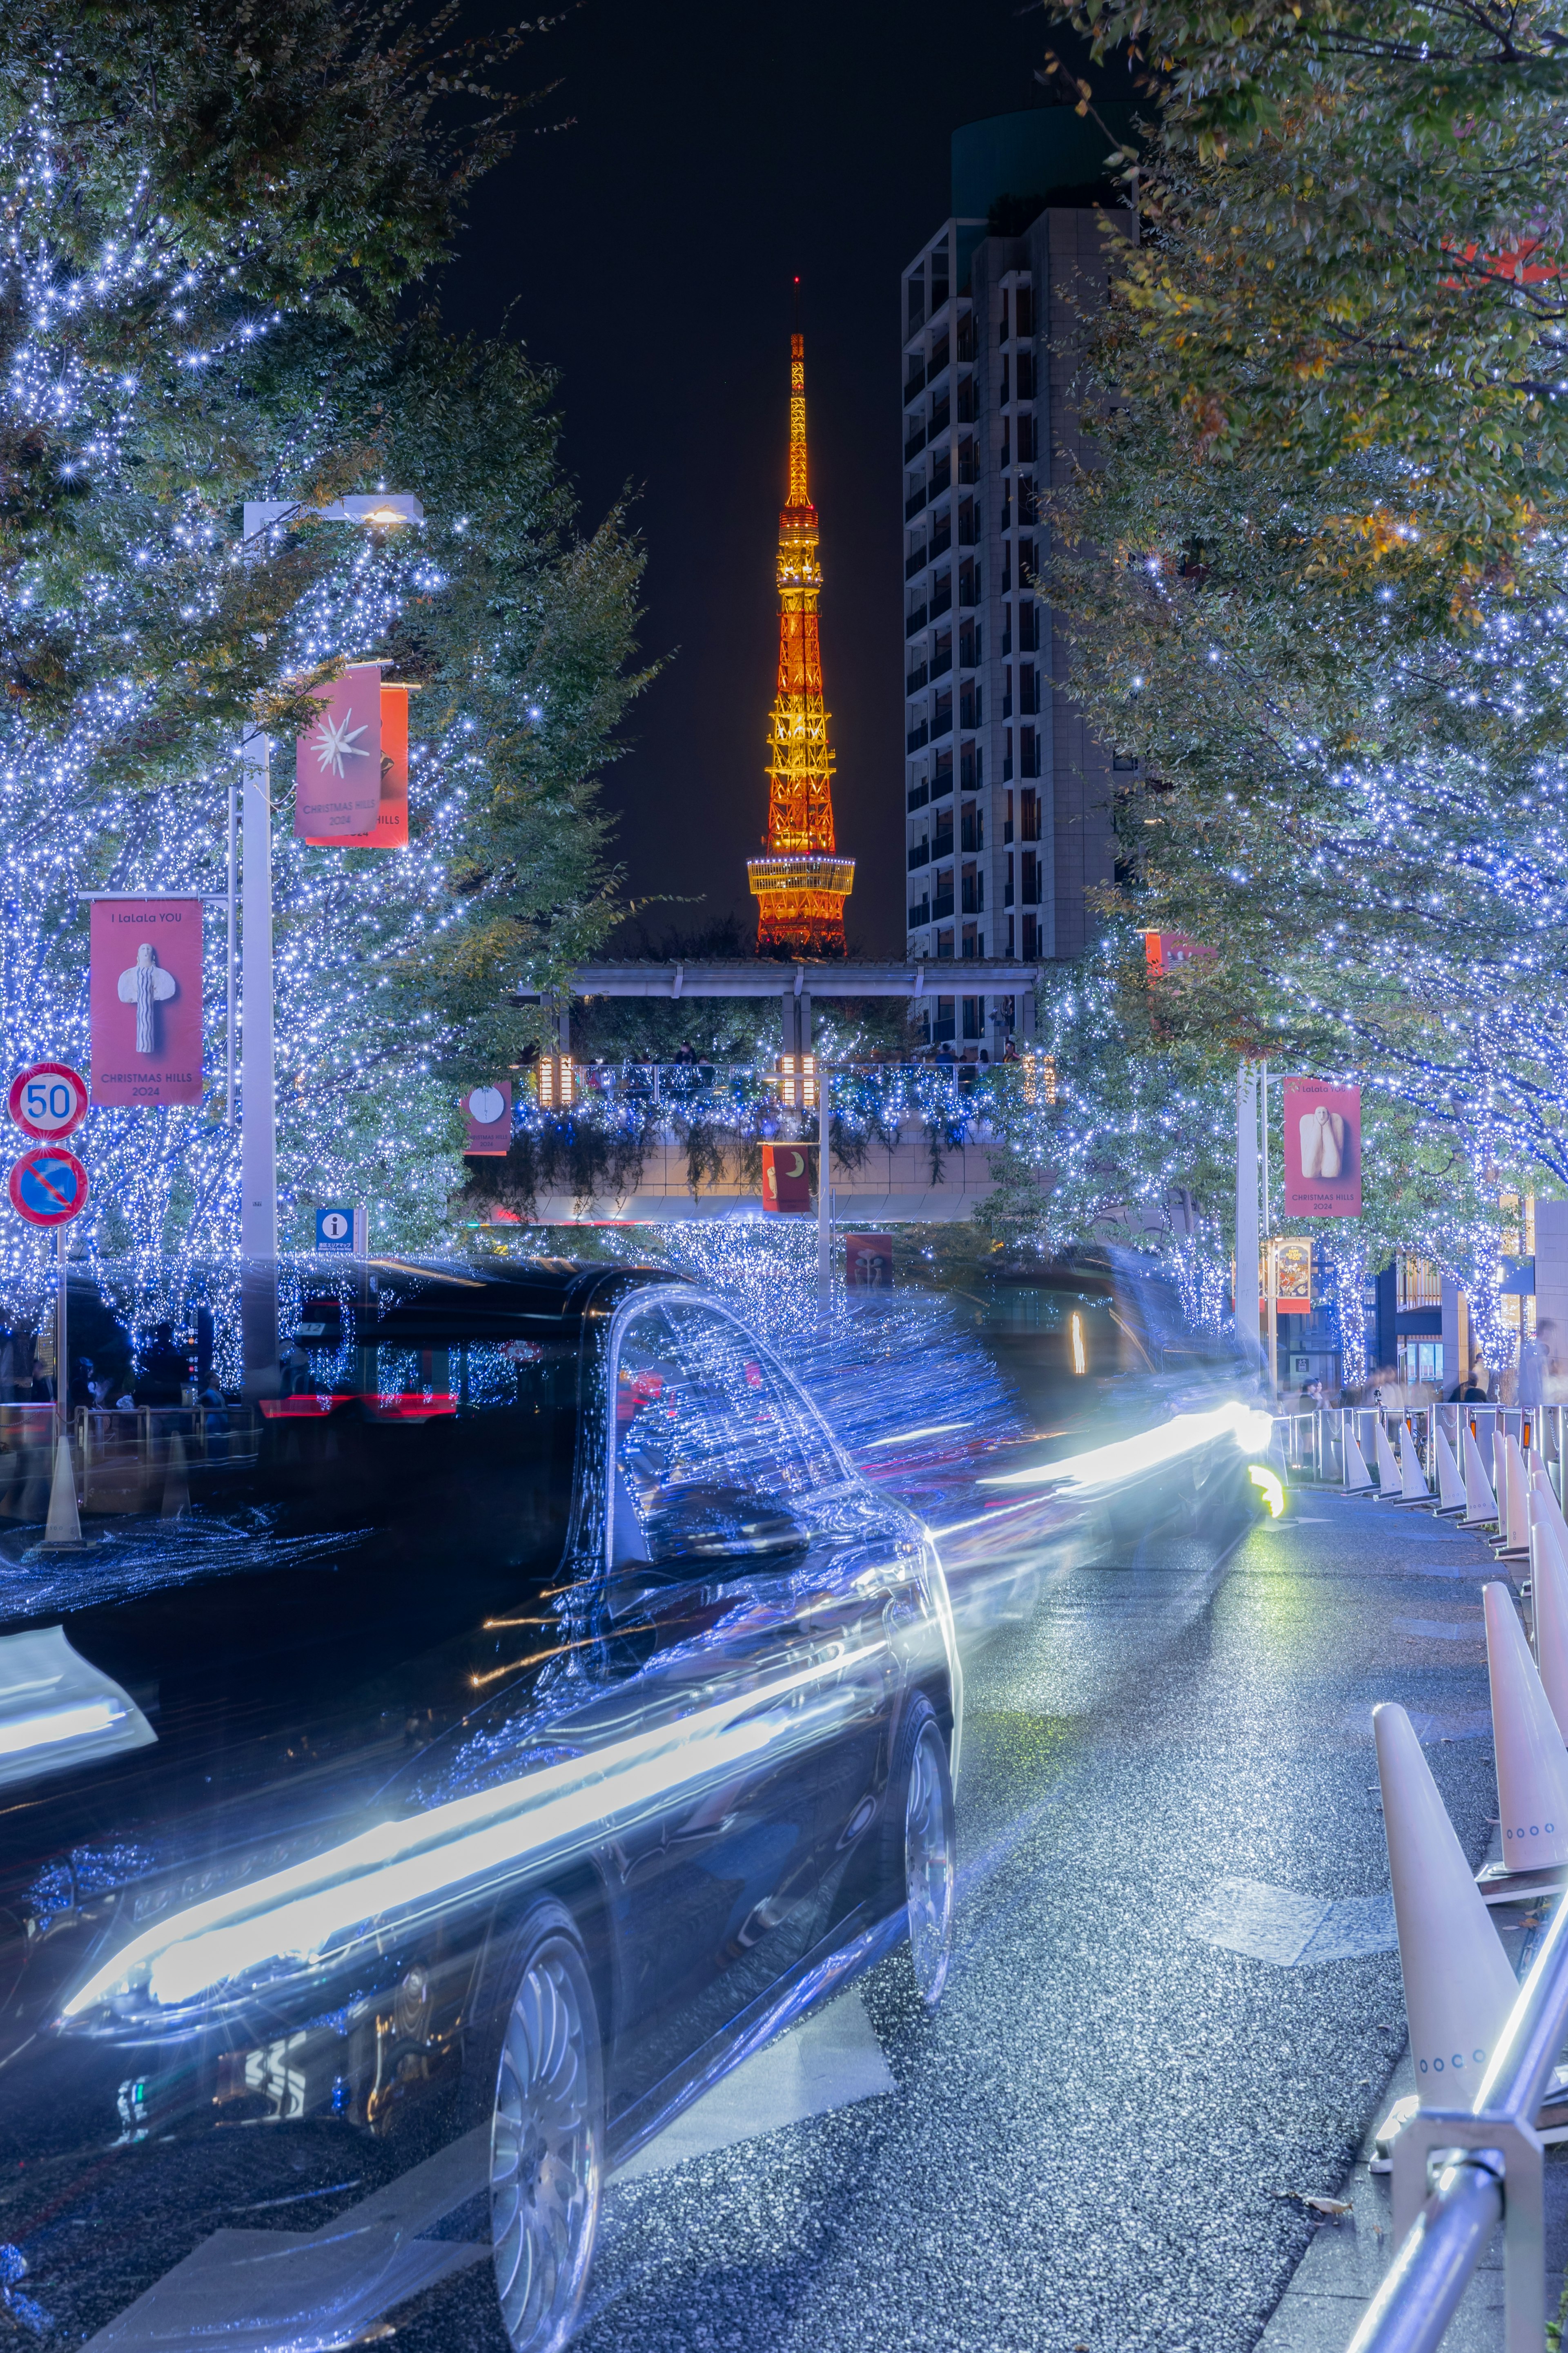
(928, 1865)
(544, 2157)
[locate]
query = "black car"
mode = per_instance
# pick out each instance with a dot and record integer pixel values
(422, 1785)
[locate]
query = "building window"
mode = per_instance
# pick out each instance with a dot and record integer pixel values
(1007, 826)
(1025, 379)
(1421, 1360)
(1031, 938)
(1004, 389)
(1003, 335)
(938, 278)
(1023, 311)
(1419, 1283)
(917, 301)
(945, 948)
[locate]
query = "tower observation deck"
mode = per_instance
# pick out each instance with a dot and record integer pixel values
(801, 884)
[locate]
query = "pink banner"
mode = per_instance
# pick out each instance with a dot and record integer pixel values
(1323, 1150)
(390, 830)
(487, 1112)
(144, 996)
(337, 763)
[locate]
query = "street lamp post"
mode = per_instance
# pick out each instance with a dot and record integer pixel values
(1246, 1220)
(258, 1102)
(824, 1185)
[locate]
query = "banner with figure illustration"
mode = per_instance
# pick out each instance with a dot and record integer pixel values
(144, 999)
(1323, 1150)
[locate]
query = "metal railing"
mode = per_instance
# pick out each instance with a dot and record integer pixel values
(1459, 2171)
(1313, 1443)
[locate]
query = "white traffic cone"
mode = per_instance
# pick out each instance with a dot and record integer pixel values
(1543, 1500)
(1450, 1486)
(1413, 1486)
(62, 1531)
(1532, 1761)
(1481, 1504)
(1548, 1598)
(1459, 1987)
(1358, 1478)
(1514, 1526)
(1390, 1486)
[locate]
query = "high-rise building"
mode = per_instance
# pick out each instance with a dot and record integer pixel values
(801, 885)
(1008, 796)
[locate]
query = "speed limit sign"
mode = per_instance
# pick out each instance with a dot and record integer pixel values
(48, 1101)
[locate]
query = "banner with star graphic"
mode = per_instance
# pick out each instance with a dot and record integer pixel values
(337, 763)
(390, 830)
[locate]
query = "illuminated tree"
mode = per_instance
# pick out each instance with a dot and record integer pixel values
(1318, 583)
(184, 329)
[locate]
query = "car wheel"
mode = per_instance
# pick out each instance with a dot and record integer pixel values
(546, 2136)
(921, 1815)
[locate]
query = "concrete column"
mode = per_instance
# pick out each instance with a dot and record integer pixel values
(1551, 1279)
(1456, 1346)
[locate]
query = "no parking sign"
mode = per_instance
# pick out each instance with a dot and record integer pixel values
(48, 1186)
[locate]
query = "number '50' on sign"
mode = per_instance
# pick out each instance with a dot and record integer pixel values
(48, 1101)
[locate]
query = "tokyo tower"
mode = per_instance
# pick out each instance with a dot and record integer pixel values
(800, 886)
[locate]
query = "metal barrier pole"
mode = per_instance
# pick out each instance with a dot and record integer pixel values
(1411, 2309)
(1492, 2158)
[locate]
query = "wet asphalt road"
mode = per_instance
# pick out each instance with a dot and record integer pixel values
(1089, 2146)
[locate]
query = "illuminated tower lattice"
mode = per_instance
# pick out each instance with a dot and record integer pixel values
(800, 886)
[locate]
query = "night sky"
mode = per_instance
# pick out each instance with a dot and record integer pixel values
(714, 152)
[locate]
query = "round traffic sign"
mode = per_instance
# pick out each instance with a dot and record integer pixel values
(48, 1101)
(48, 1186)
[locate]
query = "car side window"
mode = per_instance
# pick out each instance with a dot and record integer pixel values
(712, 1446)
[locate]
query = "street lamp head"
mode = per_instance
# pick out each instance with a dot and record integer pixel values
(386, 507)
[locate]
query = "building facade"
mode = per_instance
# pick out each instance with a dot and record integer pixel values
(1007, 796)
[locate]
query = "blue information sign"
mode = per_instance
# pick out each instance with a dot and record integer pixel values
(335, 1227)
